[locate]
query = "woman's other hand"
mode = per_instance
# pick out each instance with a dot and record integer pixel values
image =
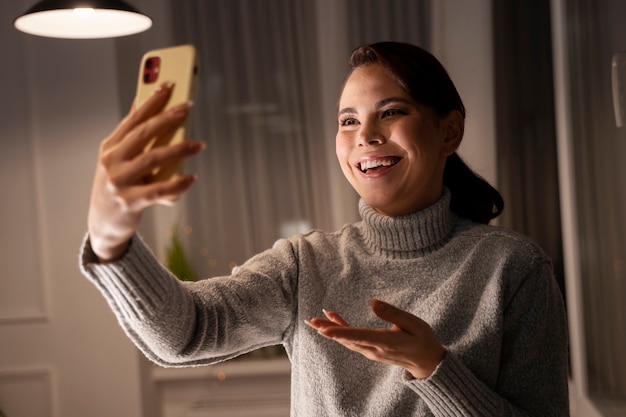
(409, 342)
(123, 186)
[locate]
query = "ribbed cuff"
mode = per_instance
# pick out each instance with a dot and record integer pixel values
(124, 282)
(453, 390)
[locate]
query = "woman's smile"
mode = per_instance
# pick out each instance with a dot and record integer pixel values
(374, 166)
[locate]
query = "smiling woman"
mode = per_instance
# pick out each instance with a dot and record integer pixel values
(447, 293)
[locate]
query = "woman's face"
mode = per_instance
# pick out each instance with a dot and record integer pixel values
(390, 148)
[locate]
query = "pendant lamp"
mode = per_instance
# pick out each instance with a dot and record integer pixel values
(82, 19)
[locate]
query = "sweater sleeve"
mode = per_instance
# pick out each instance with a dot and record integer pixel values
(532, 379)
(177, 323)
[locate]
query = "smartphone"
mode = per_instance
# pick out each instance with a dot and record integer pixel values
(179, 65)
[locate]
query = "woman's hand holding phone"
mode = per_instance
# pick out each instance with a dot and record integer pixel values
(123, 184)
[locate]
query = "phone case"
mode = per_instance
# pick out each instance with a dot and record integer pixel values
(177, 64)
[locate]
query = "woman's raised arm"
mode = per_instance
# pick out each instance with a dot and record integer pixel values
(123, 185)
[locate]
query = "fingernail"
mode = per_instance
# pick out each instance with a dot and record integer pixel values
(378, 305)
(167, 85)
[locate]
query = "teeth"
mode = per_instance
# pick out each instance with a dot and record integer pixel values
(376, 163)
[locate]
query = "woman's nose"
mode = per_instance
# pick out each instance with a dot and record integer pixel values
(370, 134)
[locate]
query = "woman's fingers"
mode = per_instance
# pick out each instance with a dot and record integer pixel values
(140, 170)
(409, 342)
(335, 318)
(400, 318)
(137, 115)
(162, 125)
(163, 192)
(355, 335)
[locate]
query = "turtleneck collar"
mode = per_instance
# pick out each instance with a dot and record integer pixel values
(411, 235)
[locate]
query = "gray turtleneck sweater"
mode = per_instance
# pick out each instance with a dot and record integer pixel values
(488, 293)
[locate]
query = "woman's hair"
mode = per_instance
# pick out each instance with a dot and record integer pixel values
(425, 79)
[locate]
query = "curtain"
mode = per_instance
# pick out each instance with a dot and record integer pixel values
(266, 171)
(397, 20)
(526, 127)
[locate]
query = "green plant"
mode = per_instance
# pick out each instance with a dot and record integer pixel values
(176, 259)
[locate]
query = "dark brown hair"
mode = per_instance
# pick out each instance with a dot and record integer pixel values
(425, 79)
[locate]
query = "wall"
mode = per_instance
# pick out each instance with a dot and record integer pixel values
(462, 40)
(64, 355)
(62, 352)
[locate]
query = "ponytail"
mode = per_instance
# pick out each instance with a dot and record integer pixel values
(472, 196)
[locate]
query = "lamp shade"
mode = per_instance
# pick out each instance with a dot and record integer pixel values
(82, 19)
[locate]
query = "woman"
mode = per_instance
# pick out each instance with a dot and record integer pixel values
(472, 322)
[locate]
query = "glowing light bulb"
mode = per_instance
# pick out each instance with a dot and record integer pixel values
(84, 12)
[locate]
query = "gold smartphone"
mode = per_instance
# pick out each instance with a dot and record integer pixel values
(179, 65)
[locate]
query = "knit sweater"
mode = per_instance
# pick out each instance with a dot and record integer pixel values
(487, 292)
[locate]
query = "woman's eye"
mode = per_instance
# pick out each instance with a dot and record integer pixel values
(392, 112)
(347, 121)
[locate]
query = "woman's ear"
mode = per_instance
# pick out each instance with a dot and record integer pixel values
(454, 124)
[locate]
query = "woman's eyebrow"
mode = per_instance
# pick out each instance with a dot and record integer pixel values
(346, 110)
(386, 101)
(379, 105)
